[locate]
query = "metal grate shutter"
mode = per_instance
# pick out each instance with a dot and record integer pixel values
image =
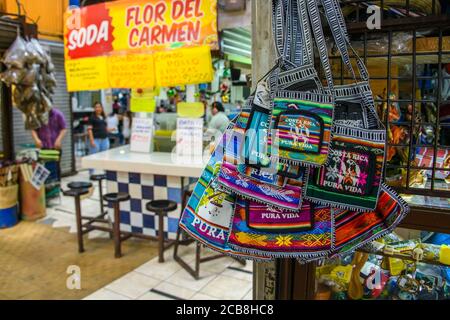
(61, 100)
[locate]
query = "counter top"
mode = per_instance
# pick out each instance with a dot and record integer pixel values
(123, 160)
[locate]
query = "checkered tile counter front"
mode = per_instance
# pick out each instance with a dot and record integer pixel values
(143, 188)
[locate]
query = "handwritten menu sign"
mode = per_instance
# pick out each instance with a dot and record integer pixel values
(141, 135)
(131, 71)
(183, 66)
(189, 137)
(87, 74)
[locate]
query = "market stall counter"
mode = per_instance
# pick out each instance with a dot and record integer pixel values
(146, 177)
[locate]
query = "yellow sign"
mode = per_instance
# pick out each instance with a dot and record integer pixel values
(190, 109)
(87, 74)
(183, 66)
(124, 36)
(131, 71)
(143, 100)
(161, 25)
(134, 26)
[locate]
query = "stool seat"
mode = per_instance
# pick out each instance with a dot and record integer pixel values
(116, 197)
(79, 185)
(161, 205)
(75, 192)
(98, 177)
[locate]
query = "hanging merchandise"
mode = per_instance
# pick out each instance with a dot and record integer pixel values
(352, 178)
(208, 212)
(30, 72)
(268, 185)
(302, 111)
(299, 171)
(262, 230)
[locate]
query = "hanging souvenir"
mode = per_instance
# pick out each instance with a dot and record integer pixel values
(299, 171)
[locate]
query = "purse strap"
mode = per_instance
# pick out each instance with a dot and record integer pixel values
(336, 21)
(293, 42)
(287, 31)
(338, 27)
(293, 38)
(317, 30)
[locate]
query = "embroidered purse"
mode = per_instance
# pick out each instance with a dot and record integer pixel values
(276, 184)
(209, 211)
(352, 178)
(354, 229)
(265, 231)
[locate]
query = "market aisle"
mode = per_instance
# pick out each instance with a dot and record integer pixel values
(35, 255)
(34, 260)
(223, 279)
(49, 246)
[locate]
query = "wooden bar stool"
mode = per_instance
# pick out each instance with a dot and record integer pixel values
(79, 185)
(115, 199)
(161, 208)
(76, 194)
(89, 226)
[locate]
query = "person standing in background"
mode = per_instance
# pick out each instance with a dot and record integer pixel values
(219, 120)
(116, 105)
(51, 135)
(112, 122)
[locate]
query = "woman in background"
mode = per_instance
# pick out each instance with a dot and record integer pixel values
(98, 130)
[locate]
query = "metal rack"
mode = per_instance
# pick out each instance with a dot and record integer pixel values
(298, 281)
(436, 57)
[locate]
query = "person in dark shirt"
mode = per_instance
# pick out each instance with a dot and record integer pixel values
(98, 130)
(116, 106)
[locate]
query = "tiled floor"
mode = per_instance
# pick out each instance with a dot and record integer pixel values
(222, 279)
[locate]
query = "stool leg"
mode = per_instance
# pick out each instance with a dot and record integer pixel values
(116, 233)
(100, 190)
(102, 207)
(161, 236)
(79, 224)
(197, 260)
(177, 242)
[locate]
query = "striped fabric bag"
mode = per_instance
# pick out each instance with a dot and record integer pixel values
(299, 172)
(352, 178)
(354, 229)
(299, 111)
(251, 183)
(262, 230)
(209, 211)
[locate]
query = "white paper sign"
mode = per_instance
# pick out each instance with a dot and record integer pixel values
(40, 174)
(141, 135)
(189, 137)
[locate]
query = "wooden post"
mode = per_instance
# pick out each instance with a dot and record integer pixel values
(263, 58)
